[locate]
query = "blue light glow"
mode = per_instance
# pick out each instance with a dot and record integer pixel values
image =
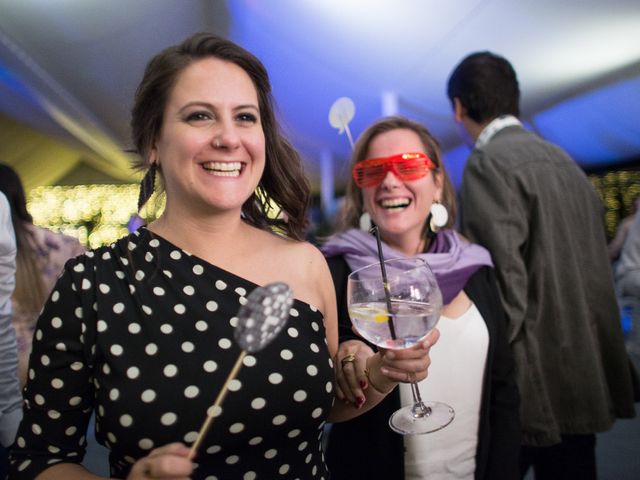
(596, 128)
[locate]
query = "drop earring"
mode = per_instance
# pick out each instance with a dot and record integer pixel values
(365, 222)
(438, 216)
(147, 185)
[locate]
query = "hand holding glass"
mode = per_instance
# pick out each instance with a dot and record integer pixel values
(398, 315)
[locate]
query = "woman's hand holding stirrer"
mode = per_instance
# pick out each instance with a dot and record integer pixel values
(260, 320)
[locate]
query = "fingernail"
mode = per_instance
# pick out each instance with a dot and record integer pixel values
(384, 370)
(359, 402)
(363, 384)
(390, 355)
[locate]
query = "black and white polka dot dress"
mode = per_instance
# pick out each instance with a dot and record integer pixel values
(142, 333)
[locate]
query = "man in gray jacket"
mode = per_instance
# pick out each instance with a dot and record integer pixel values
(535, 210)
(10, 396)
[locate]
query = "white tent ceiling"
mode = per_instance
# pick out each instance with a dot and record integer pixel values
(69, 68)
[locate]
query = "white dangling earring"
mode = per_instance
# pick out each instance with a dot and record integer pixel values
(439, 216)
(365, 222)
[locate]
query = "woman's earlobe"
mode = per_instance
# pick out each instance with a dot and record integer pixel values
(153, 157)
(153, 154)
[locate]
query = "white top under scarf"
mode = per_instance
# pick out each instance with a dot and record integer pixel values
(455, 377)
(494, 127)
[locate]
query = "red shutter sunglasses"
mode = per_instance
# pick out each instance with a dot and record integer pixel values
(405, 166)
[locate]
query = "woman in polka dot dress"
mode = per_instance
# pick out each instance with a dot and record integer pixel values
(141, 332)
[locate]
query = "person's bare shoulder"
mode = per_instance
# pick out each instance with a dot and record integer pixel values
(298, 254)
(300, 264)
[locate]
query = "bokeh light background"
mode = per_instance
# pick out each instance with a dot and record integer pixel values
(98, 214)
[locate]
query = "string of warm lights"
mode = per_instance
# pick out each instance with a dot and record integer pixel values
(99, 214)
(618, 190)
(95, 214)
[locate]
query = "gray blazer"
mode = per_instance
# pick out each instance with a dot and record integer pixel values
(535, 210)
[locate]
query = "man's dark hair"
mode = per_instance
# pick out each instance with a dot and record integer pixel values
(486, 85)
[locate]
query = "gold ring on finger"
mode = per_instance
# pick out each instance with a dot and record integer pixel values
(350, 358)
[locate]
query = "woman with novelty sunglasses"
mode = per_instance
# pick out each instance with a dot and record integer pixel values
(399, 182)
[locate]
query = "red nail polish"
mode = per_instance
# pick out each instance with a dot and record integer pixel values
(359, 402)
(363, 384)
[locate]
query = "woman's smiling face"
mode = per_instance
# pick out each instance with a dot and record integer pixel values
(399, 208)
(211, 147)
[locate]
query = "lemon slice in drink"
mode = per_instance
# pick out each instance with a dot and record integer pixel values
(381, 317)
(375, 314)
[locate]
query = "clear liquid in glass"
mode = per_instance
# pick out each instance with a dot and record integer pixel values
(412, 321)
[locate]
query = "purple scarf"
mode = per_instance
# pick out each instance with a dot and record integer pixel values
(452, 259)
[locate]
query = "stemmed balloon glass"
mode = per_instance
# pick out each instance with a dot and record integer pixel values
(395, 314)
